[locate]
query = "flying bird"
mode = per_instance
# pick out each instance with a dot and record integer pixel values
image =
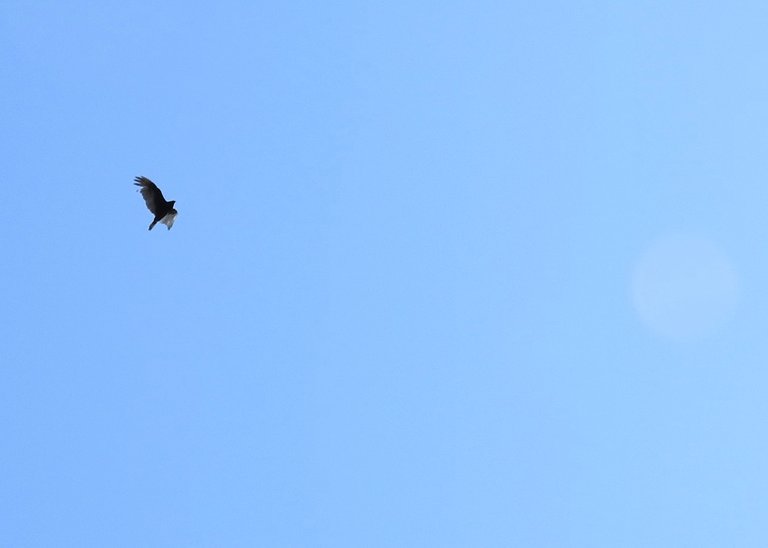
(163, 211)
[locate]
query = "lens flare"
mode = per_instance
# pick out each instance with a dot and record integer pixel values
(684, 287)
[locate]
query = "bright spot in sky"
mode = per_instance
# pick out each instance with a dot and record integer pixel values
(684, 287)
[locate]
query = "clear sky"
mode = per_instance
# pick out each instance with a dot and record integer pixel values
(451, 274)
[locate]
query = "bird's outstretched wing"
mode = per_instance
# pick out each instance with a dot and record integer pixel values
(151, 194)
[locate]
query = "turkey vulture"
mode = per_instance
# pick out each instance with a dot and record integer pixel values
(163, 211)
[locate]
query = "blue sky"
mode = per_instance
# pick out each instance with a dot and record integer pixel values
(444, 274)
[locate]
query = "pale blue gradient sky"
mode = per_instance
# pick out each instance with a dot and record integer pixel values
(396, 308)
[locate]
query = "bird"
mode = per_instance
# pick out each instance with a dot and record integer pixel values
(164, 211)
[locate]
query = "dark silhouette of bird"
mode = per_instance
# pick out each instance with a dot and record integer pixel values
(163, 211)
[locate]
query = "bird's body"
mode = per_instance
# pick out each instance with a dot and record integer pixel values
(163, 211)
